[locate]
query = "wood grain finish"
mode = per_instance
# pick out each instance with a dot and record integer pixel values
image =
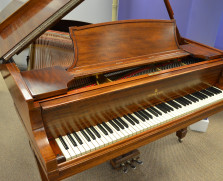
(29, 21)
(78, 111)
(47, 82)
(201, 51)
(107, 46)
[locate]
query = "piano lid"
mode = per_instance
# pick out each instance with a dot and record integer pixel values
(28, 21)
(105, 47)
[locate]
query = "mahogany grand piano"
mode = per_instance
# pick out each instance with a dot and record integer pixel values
(126, 84)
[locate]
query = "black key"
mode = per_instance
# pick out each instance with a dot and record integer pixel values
(146, 113)
(102, 129)
(180, 102)
(95, 132)
(168, 107)
(85, 135)
(164, 107)
(212, 90)
(207, 93)
(139, 116)
(186, 100)
(129, 120)
(160, 107)
(143, 115)
(202, 95)
(155, 110)
(77, 138)
(63, 143)
(90, 133)
(118, 124)
(215, 89)
(114, 125)
(71, 140)
(193, 99)
(197, 96)
(123, 122)
(107, 127)
(177, 104)
(133, 118)
(172, 104)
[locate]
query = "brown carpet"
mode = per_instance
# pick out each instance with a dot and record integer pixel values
(199, 157)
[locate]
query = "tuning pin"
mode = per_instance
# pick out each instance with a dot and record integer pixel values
(131, 165)
(124, 168)
(138, 161)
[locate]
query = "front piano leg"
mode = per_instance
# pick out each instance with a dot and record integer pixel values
(181, 134)
(42, 174)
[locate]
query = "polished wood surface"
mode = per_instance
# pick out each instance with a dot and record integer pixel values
(47, 82)
(201, 51)
(105, 47)
(79, 110)
(27, 22)
(10, 9)
(48, 109)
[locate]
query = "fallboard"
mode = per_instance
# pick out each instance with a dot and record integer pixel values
(75, 112)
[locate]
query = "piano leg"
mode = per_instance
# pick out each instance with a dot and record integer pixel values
(181, 134)
(41, 171)
(42, 174)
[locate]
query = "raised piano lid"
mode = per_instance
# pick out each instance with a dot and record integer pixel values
(28, 22)
(116, 45)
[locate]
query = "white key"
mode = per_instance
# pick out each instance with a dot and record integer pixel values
(109, 134)
(134, 128)
(119, 136)
(85, 146)
(63, 150)
(80, 147)
(102, 138)
(70, 150)
(127, 130)
(94, 142)
(109, 140)
(114, 134)
(121, 130)
(91, 146)
(74, 148)
(131, 129)
(99, 141)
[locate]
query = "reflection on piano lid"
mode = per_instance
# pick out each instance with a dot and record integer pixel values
(123, 85)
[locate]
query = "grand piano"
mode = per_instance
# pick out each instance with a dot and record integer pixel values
(130, 83)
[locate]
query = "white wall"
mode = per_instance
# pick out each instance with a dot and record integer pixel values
(4, 3)
(92, 11)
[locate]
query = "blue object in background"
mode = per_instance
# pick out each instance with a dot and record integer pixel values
(198, 20)
(219, 39)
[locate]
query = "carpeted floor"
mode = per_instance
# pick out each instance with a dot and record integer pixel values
(198, 158)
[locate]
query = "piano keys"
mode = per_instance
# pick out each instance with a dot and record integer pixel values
(152, 116)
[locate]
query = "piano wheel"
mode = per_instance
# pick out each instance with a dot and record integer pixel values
(181, 134)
